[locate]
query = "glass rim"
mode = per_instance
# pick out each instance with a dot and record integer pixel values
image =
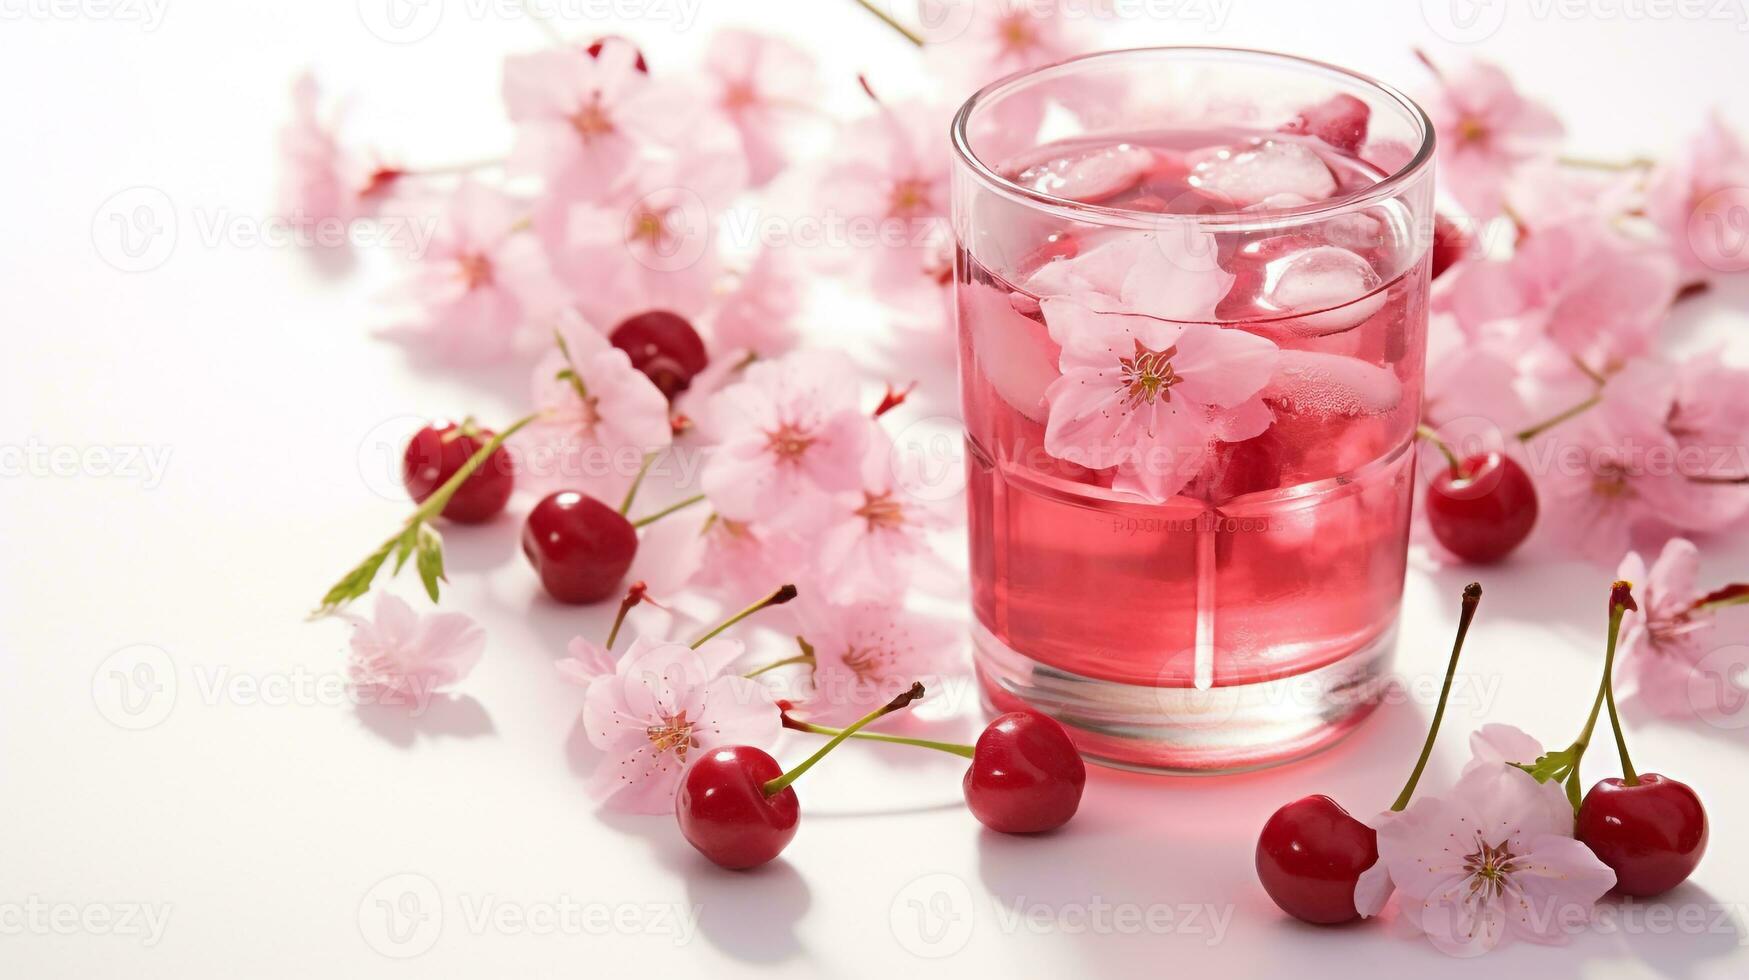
(1384, 189)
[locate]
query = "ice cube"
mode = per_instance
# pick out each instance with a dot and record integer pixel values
(1096, 176)
(1336, 287)
(1332, 384)
(1248, 175)
(1014, 352)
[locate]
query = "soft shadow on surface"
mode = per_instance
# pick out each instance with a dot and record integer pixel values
(750, 915)
(455, 716)
(1697, 929)
(481, 547)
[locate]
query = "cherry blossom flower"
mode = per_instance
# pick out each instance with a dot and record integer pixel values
(1597, 294)
(599, 418)
(664, 704)
(401, 657)
(791, 428)
(1471, 389)
(1148, 396)
(1170, 275)
(480, 283)
(1486, 130)
(994, 38)
(867, 541)
(759, 315)
(584, 119)
(1545, 194)
(651, 243)
(1494, 858)
(1616, 468)
(867, 652)
(887, 183)
(1665, 640)
(1696, 200)
(766, 87)
(585, 661)
(322, 181)
(1709, 416)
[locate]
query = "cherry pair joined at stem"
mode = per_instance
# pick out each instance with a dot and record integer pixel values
(1311, 853)
(1650, 829)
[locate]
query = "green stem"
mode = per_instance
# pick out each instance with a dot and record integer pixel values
(637, 481)
(1620, 601)
(782, 782)
(887, 19)
(1549, 423)
(570, 373)
(1472, 598)
(778, 598)
(800, 658)
(953, 748)
(1426, 432)
(435, 503)
(664, 512)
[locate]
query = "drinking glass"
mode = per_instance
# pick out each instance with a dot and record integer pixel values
(1191, 293)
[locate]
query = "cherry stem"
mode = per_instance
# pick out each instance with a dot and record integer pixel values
(1472, 598)
(435, 503)
(634, 595)
(887, 19)
(782, 782)
(664, 512)
(952, 748)
(570, 373)
(1457, 467)
(1541, 427)
(1613, 166)
(1620, 601)
(1735, 594)
(778, 598)
(637, 481)
(800, 658)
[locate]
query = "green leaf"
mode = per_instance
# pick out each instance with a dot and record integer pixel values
(1550, 765)
(404, 549)
(430, 560)
(356, 582)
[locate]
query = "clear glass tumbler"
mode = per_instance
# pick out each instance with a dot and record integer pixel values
(1191, 290)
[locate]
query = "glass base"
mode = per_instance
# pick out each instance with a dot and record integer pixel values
(1186, 729)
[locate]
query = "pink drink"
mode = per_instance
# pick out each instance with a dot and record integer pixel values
(1248, 616)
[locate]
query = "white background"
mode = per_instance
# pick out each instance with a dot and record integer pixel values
(272, 829)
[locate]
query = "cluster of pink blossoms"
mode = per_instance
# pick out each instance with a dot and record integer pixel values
(621, 182)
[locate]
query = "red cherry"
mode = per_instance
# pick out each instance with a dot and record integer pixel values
(663, 346)
(1484, 514)
(581, 547)
(438, 451)
(595, 47)
(1341, 121)
(1652, 833)
(1450, 243)
(1026, 776)
(1309, 856)
(724, 812)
